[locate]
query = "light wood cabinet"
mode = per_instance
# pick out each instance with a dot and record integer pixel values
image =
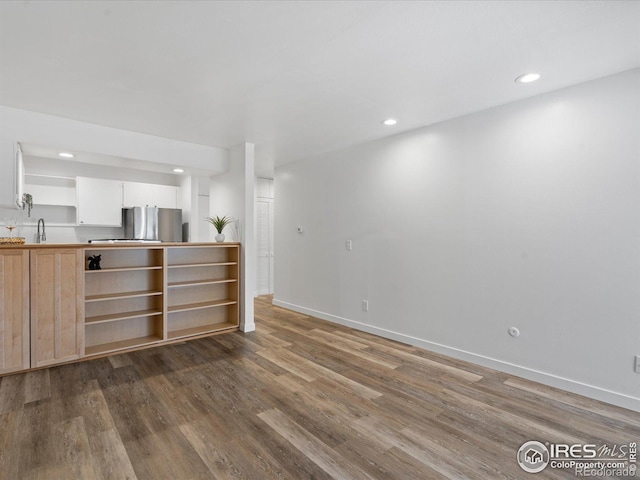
(53, 309)
(57, 306)
(147, 295)
(202, 289)
(14, 310)
(124, 301)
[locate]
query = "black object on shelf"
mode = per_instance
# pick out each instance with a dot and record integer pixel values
(94, 262)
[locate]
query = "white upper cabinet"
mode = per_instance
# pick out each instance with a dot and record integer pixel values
(99, 201)
(10, 177)
(164, 196)
(138, 194)
(19, 177)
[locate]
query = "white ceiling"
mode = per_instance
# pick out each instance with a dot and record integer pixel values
(299, 78)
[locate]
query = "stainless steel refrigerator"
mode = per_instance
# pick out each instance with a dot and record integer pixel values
(152, 223)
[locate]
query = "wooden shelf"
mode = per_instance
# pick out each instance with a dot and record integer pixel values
(148, 295)
(116, 296)
(189, 332)
(200, 305)
(121, 344)
(201, 282)
(125, 269)
(114, 317)
(206, 264)
(127, 307)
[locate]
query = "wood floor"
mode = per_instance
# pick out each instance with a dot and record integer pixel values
(298, 399)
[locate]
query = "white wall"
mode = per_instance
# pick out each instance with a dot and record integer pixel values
(206, 232)
(194, 202)
(185, 202)
(524, 215)
(232, 194)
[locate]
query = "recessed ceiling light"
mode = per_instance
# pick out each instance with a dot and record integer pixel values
(389, 121)
(65, 154)
(178, 170)
(527, 78)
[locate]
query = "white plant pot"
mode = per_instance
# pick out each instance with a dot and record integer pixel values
(220, 237)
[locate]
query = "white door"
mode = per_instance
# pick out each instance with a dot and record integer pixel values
(264, 240)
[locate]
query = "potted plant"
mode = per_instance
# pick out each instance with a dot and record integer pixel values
(219, 224)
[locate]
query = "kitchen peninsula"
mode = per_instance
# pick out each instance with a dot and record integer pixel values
(54, 309)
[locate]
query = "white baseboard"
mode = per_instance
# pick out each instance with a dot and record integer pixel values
(247, 327)
(569, 385)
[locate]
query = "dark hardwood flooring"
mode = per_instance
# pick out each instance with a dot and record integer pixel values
(299, 398)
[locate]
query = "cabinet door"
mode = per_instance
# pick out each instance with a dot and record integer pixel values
(164, 196)
(19, 176)
(99, 202)
(9, 177)
(136, 194)
(57, 305)
(14, 310)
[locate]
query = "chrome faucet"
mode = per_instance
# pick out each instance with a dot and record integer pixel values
(41, 237)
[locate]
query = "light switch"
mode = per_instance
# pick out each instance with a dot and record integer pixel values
(349, 245)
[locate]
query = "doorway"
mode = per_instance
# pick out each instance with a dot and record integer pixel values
(264, 236)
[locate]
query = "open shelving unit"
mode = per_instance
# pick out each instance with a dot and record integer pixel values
(152, 294)
(51, 189)
(124, 301)
(202, 289)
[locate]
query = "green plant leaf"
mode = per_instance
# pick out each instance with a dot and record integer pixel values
(219, 223)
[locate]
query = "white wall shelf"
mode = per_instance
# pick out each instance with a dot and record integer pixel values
(51, 189)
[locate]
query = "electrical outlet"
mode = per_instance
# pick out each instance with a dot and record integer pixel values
(365, 305)
(349, 245)
(637, 364)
